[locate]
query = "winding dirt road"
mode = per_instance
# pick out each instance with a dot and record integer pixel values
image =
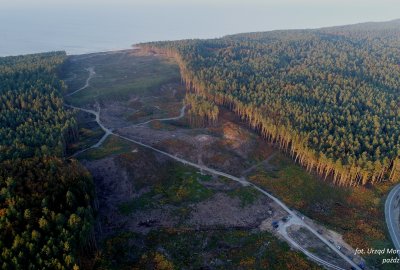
(181, 115)
(242, 180)
(91, 75)
(283, 232)
(107, 132)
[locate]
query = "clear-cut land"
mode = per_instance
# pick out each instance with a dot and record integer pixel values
(143, 193)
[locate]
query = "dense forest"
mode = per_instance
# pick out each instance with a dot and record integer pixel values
(201, 112)
(33, 120)
(45, 202)
(328, 97)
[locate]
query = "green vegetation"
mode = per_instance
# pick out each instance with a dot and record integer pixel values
(111, 146)
(183, 247)
(201, 111)
(355, 212)
(294, 185)
(329, 96)
(134, 76)
(45, 212)
(89, 133)
(180, 187)
(143, 202)
(33, 120)
(189, 249)
(116, 92)
(247, 195)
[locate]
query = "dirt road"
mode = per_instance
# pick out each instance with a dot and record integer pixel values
(91, 75)
(242, 180)
(181, 115)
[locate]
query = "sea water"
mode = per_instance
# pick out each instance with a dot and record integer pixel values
(99, 25)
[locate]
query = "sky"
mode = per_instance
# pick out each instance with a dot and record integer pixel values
(88, 25)
(227, 14)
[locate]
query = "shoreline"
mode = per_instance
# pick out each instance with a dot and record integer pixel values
(89, 52)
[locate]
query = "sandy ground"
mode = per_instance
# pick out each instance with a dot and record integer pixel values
(228, 146)
(310, 242)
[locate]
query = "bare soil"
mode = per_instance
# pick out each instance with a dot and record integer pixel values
(310, 242)
(225, 211)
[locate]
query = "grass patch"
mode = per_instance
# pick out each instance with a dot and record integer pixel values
(74, 78)
(246, 195)
(111, 146)
(89, 134)
(357, 212)
(151, 111)
(180, 187)
(134, 75)
(204, 177)
(143, 202)
(190, 249)
(183, 189)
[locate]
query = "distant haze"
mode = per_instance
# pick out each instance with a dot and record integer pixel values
(28, 26)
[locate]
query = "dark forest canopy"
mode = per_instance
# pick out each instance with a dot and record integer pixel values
(45, 202)
(33, 120)
(330, 96)
(45, 213)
